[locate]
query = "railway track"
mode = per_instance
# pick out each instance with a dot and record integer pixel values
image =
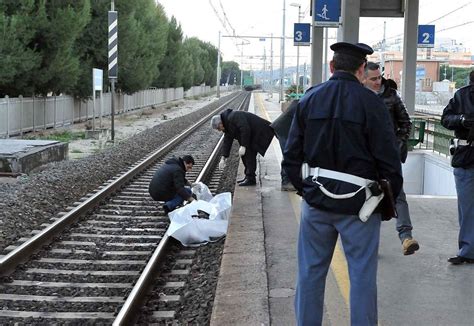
(106, 250)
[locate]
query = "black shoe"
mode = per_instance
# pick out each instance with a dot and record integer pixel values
(248, 182)
(166, 209)
(457, 260)
(242, 180)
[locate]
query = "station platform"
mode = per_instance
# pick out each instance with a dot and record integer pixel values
(258, 271)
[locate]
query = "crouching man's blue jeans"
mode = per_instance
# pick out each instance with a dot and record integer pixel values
(177, 200)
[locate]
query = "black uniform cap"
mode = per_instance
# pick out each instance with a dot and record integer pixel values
(358, 50)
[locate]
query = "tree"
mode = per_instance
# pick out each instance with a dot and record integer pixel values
(92, 47)
(143, 30)
(210, 63)
(193, 48)
(188, 68)
(230, 74)
(171, 68)
(458, 75)
(58, 25)
(16, 57)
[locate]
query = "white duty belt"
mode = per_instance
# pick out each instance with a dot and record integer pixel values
(371, 201)
(307, 171)
(463, 142)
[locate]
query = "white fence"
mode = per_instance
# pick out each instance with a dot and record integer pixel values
(23, 114)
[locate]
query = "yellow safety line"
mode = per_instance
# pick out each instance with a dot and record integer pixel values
(338, 263)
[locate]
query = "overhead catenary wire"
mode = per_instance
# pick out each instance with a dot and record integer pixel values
(225, 17)
(223, 22)
(437, 19)
(455, 26)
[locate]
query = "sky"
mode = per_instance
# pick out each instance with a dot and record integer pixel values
(262, 18)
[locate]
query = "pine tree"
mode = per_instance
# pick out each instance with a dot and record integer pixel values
(58, 25)
(143, 30)
(17, 59)
(171, 68)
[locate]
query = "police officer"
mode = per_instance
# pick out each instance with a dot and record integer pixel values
(343, 139)
(253, 133)
(458, 115)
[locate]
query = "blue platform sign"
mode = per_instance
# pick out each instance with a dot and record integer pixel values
(426, 36)
(327, 13)
(301, 34)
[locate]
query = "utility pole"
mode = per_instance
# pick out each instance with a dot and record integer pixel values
(298, 57)
(282, 56)
(218, 79)
(325, 65)
(264, 67)
(305, 80)
(241, 66)
(382, 57)
(271, 66)
(113, 63)
(297, 51)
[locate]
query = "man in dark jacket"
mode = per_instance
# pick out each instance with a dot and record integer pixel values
(459, 116)
(253, 133)
(401, 126)
(341, 141)
(169, 183)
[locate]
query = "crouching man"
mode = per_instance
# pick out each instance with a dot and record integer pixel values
(169, 183)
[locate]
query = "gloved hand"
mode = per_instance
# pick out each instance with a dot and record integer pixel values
(222, 163)
(467, 120)
(196, 187)
(242, 150)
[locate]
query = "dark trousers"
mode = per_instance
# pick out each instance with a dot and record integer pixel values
(177, 200)
(284, 177)
(250, 163)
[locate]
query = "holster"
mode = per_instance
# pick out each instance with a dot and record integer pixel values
(387, 206)
(373, 195)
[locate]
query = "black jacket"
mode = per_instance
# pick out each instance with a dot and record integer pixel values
(400, 117)
(341, 125)
(169, 180)
(282, 124)
(398, 112)
(250, 130)
(461, 103)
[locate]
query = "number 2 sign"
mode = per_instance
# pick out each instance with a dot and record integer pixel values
(426, 36)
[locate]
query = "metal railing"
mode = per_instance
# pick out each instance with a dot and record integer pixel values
(430, 134)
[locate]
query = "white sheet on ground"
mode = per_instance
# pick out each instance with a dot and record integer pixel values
(191, 230)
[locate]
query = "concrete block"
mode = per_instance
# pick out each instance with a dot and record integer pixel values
(23, 156)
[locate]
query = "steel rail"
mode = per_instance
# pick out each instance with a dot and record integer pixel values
(22, 252)
(129, 311)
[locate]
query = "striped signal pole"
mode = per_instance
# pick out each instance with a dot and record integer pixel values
(113, 63)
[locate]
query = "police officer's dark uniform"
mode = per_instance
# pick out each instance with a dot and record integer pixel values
(459, 116)
(343, 129)
(252, 132)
